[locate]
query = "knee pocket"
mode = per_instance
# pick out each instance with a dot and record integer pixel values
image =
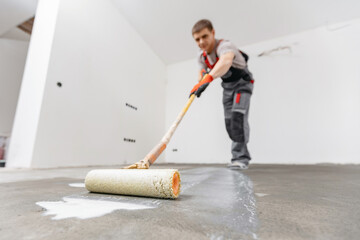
(235, 127)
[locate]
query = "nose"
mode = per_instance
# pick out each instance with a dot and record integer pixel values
(201, 42)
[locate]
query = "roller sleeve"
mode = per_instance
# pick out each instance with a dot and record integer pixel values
(159, 183)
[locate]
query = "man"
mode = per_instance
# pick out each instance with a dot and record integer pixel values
(221, 58)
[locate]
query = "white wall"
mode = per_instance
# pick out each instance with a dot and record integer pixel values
(305, 107)
(102, 64)
(12, 62)
(17, 34)
(32, 87)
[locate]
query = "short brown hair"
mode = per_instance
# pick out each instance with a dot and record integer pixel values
(201, 24)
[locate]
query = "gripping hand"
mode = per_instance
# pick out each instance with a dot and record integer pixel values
(202, 85)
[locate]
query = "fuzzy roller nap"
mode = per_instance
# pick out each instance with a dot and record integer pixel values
(160, 183)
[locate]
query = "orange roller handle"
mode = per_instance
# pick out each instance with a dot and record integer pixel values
(155, 152)
(151, 157)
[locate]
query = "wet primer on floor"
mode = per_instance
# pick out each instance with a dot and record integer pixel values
(226, 195)
(263, 202)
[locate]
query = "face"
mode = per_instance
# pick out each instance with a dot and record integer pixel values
(205, 39)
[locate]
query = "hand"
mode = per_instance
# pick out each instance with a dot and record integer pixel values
(202, 85)
(203, 72)
(142, 164)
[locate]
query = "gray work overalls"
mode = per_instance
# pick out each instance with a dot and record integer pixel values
(238, 86)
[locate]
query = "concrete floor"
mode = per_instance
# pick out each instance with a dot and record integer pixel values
(263, 202)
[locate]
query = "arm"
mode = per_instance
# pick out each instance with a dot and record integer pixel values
(220, 68)
(223, 65)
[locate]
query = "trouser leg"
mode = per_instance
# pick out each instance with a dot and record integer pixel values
(236, 109)
(239, 149)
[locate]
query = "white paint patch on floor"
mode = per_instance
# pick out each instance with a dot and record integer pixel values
(85, 208)
(261, 194)
(79, 185)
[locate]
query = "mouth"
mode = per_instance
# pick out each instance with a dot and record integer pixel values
(203, 47)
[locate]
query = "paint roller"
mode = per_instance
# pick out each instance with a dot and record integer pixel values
(137, 179)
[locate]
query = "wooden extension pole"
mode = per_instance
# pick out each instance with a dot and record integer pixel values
(151, 157)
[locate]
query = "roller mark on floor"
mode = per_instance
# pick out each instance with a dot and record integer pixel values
(226, 193)
(193, 177)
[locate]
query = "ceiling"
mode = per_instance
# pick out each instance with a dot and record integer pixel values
(15, 12)
(166, 24)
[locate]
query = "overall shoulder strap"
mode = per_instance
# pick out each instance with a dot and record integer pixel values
(206, 58)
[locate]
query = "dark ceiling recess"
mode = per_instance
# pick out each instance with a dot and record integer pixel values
(27, 25)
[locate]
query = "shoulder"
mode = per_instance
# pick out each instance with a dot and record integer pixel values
(225, 46)
(225, 43)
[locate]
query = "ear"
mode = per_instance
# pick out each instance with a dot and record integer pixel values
(213, 32)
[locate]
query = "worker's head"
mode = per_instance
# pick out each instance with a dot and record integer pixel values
(204, 35)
